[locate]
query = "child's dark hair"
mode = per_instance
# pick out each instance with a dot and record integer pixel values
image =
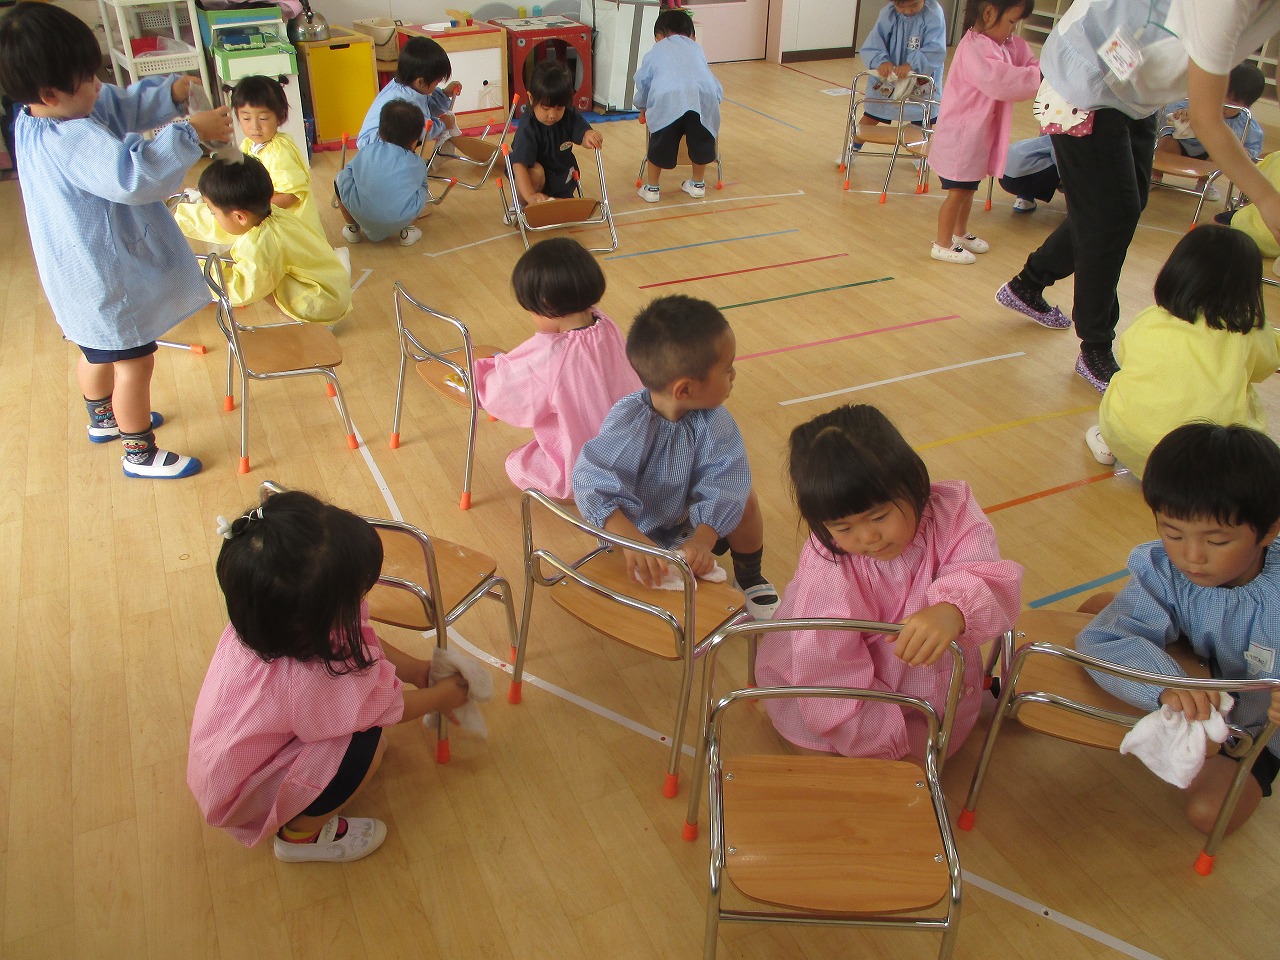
(240, 185)
(973, 10)
(558, 277)
(1245, 84)
(263, 92)
(1203, 471)
(421, 58)
(550, 85)
(675, 22)
(1214, 272)
(401, 123)
(675, 337)
(849, 461)
(43, 47)
(294, 572)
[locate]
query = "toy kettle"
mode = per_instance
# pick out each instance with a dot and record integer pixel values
(308, 26)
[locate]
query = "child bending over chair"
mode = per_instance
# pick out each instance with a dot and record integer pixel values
(274, 255)
(1211, 578)
(383, 188)
(884, 544)
(563, 381)
(679, 98)
(112, 263)
(909, 36)
(1195, 355)
(1245, 84)
(542, 160)
(669, 466)
(288, 724)
(991, 70)
(422, 67)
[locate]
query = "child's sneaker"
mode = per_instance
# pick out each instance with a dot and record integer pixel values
(163, 465)
(408, 237)
(351, 233)
(1098, 447)
(1212, 195)
(762, 599)
(971, 243)
(956, 254)
(649, 194)
(1024, 205)
(107, 430)
(363, 836)
(694, 189)
(1097, 365)
(1016, 295)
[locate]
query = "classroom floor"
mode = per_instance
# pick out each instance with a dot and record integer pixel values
(551, 838)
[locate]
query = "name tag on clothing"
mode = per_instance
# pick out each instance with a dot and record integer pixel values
(1261, 660)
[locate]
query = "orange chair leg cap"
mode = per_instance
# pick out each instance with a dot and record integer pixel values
(639, 182)
(846, 184)
(352, 442)
(988, 205)
(689, 831)
(965, 820)
(841, 167)
(199, 348)
(465, 501)
(986, 683)
(883, 197)
(228, 403)
(442, 751)
(719, 184)
(328, 388)
(515, 693)
(244, 465)
(492, 418)
(395, 441)
(1204, 864)
(671, 785)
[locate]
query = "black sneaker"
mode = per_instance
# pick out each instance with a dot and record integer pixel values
(1097, 365)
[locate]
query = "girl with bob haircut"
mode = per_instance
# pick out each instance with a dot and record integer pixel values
(1195, 355)
(288, 725)
(564, 380)
(885, 544)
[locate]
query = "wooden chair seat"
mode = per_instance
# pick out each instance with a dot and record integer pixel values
(444, 381)
(558, 212)
(461, 571)
(290, 346)
(1171, 164)
(472, 148)
(714, 604)
(859, 838)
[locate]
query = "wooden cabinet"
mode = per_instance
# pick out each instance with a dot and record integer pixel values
(339, 82)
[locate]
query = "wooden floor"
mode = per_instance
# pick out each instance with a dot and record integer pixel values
(551, 838)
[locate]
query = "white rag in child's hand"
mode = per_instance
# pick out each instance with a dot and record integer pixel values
(446, 662)
(1172, 746)
(673, 580)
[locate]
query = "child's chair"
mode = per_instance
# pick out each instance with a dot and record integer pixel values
(556, 214)
(829, 839)
(682, 160)
(1201, 173)
(273, 352)
(594, 588)
(899, 136)
(474, 152)
(1047, 688)
(449, 372)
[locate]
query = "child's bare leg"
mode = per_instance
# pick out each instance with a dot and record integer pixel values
(652, 173)
(748, 537)
(699, 173)
(953, 215)
(97, 380)
(1204, 796)
(310, 825)
(1096, 603)
(346, 214)
(131, 397)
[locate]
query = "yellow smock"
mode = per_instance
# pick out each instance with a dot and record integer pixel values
(284, 258)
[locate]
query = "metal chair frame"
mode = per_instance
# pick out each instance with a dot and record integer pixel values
(898, 136)
(517, 213)
(469, 150)
(1194, 169)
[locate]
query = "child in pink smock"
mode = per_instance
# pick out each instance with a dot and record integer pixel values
(884, 545)
(288, 724)
(990, 71)
(564, 380)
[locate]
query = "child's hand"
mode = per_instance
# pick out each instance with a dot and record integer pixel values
(592, 140)
(649, 570)
(451, 693)
(700, 558)
(1196, 704)
(642, 117)
(181, 89)
(454, 88)
(885, 69)
(925, 634)
(212, 126)
(1180, 115)
(902, 71)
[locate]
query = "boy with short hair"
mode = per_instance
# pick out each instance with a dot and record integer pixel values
(679, 98)
(1212, 578)
(669, 466)
(542, 160)
(422, 68)
(383, 188)
(275, 255)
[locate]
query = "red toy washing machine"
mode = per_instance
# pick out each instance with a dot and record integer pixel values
(531, 40)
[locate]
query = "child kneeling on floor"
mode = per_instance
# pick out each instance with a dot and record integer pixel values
(382, 190)
(669, 466)
(288, 724)
(542, 161)
(1212, 578)
(275, 255)
(887, 545)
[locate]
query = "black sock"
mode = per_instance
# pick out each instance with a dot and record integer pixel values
(746, 570)
(1029, 294)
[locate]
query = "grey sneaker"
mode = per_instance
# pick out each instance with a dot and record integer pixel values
(351, 233)
(694, 189)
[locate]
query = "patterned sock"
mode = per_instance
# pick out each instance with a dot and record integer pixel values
(139, 448)
(746, 570)
(101, 414)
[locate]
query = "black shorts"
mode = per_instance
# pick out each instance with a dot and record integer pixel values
(959, 184)
(93, 355)
(664, 144)
(894, 119)
(351, 773)
(1264, 769)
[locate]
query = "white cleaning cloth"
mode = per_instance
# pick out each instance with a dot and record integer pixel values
(673, 580)
(1172, 746)
(445, 662)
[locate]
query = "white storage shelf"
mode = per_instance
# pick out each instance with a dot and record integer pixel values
(124, 21)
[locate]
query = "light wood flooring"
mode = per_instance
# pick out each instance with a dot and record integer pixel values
(550, 838)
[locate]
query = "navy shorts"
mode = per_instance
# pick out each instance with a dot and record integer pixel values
(959, 184)
(351, 773)
(664, 144)
(1264, 769)
(94, 355)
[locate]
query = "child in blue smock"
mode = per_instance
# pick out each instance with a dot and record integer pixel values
(909, 36)
(422, 67)
(382, 190)
(115, 267)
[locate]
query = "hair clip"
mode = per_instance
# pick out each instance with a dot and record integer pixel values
(229, 528)
(224, 528)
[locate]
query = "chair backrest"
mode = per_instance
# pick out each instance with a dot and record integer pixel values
(413, 348)
(865, 90)
(214, 276)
